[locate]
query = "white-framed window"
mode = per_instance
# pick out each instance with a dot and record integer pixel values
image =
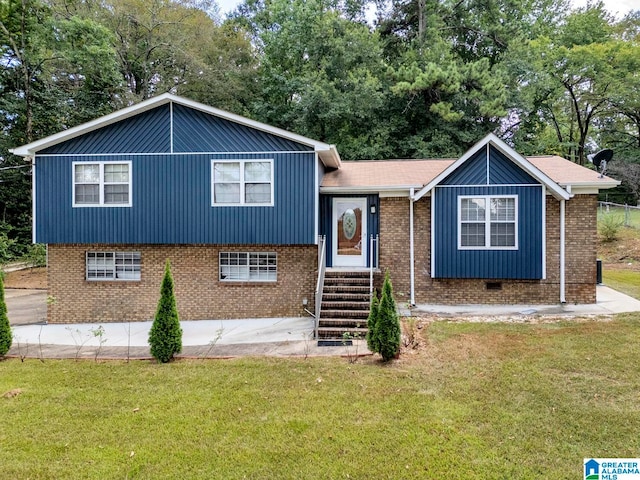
(101, 184)
(488, 222)
(113, 266)
(242, 182)
(248, 267)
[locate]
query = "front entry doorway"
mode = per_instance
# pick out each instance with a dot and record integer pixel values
(349, 232)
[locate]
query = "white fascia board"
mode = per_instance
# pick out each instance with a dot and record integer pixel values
(396, 191)
(580, 187)
(555, 189)
(328, 153)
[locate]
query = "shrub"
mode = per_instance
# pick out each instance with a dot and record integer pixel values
(165, 337)
(7, 247)
(372, 323)
(5, 329)
(387, 332)
(36, 255)
(609, 226)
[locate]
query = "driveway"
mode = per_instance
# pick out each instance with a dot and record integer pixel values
(26, 307)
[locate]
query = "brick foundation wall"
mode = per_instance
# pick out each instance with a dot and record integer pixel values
(580, 258)
(199, 293)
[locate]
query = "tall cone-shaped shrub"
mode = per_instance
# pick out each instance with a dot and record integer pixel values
(165, 337)
(388, 329)
(372, 323)
(5, 329)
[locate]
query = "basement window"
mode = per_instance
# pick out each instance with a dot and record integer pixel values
(248, 267)
(113, 266)
(494, 285)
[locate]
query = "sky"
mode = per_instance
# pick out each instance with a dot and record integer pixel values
(619, 7)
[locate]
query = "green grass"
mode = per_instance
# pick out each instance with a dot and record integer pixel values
(482, 401)
(625, 281)
(632, 218)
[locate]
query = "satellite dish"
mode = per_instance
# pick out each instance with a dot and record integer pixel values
(601, 159)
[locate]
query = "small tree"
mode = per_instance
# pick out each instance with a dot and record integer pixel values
(5, 329)
(372, 323)
(165, 337)
(387, 333)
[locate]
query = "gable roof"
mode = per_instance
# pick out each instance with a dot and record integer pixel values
(328, 153)
(491, 139)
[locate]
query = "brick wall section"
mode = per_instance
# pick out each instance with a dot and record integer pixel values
(199, 293)
(581, 248)
(580, 258)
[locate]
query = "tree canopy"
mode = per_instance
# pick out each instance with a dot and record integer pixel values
(415, 79)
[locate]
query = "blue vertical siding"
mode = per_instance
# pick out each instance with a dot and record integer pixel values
(326, 220)
(523, 263)
(171, 196)
(504, 171)
(146, 132)
(472, 172)
(196, 131)
(501, 170)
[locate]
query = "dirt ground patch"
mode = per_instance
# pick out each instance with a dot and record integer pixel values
(29, 278)
(622, 253)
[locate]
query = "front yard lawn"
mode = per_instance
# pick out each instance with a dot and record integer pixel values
(478, 401)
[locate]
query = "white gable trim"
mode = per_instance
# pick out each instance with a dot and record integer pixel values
(327, 153)
(491, 139)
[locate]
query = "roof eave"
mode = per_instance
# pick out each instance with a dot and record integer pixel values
(330, 157)
(604, 185)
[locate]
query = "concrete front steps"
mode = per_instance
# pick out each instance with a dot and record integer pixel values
(345, 305)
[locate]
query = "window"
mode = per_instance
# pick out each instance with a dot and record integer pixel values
(242, 182)
(487, 222)
(248, 267)
(102, 184)
(113, 266)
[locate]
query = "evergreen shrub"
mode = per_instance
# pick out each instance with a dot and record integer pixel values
(165, 337)
(5, 329)
(372, 323)
(387, 333)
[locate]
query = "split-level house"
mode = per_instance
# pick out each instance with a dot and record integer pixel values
(257, 222)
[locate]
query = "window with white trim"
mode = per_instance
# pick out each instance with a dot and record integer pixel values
(248, 267)
(101, 184)
(242, 182)
(488, 222)
(113, 266)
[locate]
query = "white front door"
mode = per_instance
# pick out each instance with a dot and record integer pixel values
(349, 232)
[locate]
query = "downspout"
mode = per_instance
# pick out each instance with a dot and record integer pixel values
(562, 252)
(33, 198)
(411, 248)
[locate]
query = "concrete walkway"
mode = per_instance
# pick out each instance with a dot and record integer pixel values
(608, 302)
(230, 338)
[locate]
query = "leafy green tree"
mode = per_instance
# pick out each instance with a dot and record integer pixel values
(165, 336)
(566, 82)
(372, 323)
(388, 333)
(320, 74)
(5, 329)
(58, 72)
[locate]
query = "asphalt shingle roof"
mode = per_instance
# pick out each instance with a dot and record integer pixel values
(389, 174)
